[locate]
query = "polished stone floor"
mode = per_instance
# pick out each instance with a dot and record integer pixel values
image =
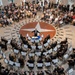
(12, 31)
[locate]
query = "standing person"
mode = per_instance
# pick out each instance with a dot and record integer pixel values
(35, 32)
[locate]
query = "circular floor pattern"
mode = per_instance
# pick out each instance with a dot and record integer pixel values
(42, 27)
(60, 33)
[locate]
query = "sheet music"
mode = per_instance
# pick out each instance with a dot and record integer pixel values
(32, 40)
(50, 51)
(31, 65)
(4, 56)
(38, 53)
(58, 46)
(48, 41)
(47, 63)
(66, 56)
(6, 61)
(16, 51)
(23, 53)
(46, 44)
(70, 49)
(36, 40)
(31, 54)
(45, 53)
(40, 47)
(55, 60)
(33, 47)
(11, 62)
(39, 64)
(55, 49)
(25, 46)
(17, 64)
(70, 71)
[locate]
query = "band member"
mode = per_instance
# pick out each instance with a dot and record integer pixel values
(35, 32)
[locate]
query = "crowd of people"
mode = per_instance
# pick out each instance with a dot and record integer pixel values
(54, 13)
(12, 13)
(59, 14)
(10, 71)
(45, 56)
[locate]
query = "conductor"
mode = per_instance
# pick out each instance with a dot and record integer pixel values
(35, 32)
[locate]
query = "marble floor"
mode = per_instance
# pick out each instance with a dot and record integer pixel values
(12, 31)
